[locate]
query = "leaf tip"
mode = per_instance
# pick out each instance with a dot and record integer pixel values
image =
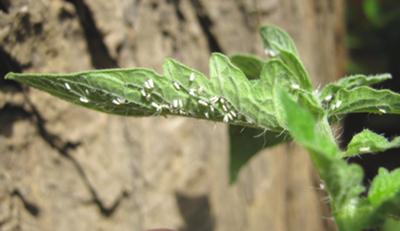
(10, 75)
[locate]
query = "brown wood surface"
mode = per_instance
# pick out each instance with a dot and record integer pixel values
(67, 168)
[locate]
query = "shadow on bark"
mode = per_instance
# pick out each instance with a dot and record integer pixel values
(196, 213)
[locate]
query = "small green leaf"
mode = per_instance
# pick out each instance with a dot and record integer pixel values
(364, 99)
(359, 80)
(351, 82)
(384, 197)
(279, 44)
(276, 40)
(370, 142)
(391, 224)
(250, 65)
(385, 188)
(372, 11)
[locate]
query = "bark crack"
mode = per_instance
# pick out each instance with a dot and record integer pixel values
(7, 64)
(29, 206)
(5, 6)
(99, 54)
(64, 148)
(206, 24)
(178, 11)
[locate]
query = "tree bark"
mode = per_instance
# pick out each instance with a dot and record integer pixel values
(63, 167)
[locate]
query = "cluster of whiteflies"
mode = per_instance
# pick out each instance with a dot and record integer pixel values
(216, 107)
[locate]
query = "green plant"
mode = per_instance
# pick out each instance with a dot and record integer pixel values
(273, 95)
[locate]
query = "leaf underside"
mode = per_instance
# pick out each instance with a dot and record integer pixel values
(266, 102)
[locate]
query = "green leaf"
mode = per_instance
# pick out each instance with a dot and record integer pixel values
(372, 11)
(296, 67)
(228, 97)
(246, 143)
(384, 197)
(364, 99)
(230, 82)
(359, 80)
(385, 188)
(276, 40)
(391, 224)
(342, 181)
(278, 43)
(304, 127)
(115, 91)
(351, 82)
(369, 142)
(250, 65)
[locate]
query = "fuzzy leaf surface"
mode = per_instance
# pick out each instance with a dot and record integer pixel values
(250, 65)
(364, 99)
(342, 181)
(369, 142)
(351, 82)
(385, 188)
(229, 96)
(276, 40)
(384, 198)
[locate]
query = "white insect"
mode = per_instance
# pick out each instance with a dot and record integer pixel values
(143, 92)
(116, 102)
(149, 84)
(202, 102)
(224, 107)
(192, 92)
(295, 86)
(87, 91)
(176, 85)
(365, 149)
(83, 99)
(233, 113)
(321, 186)
(201, 89)
(338, 103)
(271, 52)
(175, 103)
(383, 111)
(211, 108)
(214, 99)
(226, 118)
(192, 77)
(230, 116)
(156, 106)
(328, 98)
(165, 106)
(67, 86)
(206, 115)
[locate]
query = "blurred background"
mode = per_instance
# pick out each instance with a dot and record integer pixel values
(67, 168)
(372, 41)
